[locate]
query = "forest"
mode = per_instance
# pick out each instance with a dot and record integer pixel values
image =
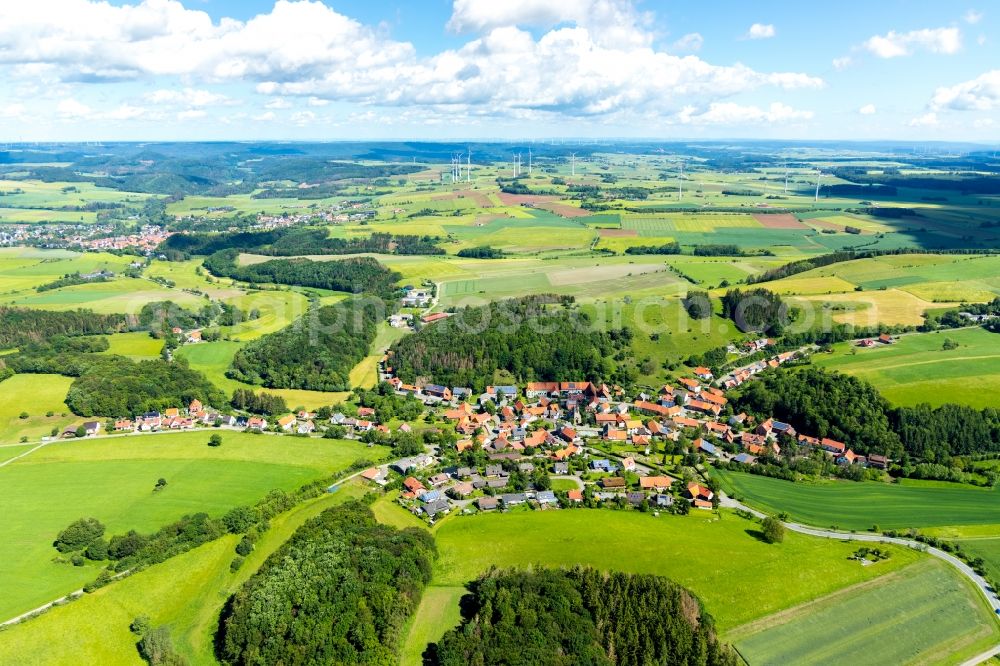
(535, 338)
(830, 404)
(757, 310)
(316, 352)
(292, 241)
(581, 616)
(20, 325)
(116, 386)
(339, 591)
(355, 275)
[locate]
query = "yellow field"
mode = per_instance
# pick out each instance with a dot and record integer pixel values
(870, 308)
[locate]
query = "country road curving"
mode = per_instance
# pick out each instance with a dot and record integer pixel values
(984, 587)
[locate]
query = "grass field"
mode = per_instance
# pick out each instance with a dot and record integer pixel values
(112, 479)
(932, 614)
(185, 593)
(438, 612)
(37, 395)
(739, 577)
(916, 369)
(214, 358)
(858, 506)
(137, 345)
(869, 308)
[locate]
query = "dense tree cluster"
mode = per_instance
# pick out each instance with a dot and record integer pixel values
(673, 247)
(698, 304)
(355, 275)
(850, 410)
(757, 310)
(59, 355)
(315, 352)
(118, 386)
(69, 280)
(159, 317)
(388, 405)
(339, 591)
(20, 325)
(265, 403)
(482, 252)
(292, 241)
(582, 616)
(536, 338)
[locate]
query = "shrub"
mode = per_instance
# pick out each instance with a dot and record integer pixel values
(773, 530)
(79, 535)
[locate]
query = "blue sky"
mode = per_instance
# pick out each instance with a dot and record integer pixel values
(346, 69)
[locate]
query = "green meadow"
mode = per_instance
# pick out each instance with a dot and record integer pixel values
(932, 613)
(185, 593)
(36, 396)
(858, 506)
(112, 479)
(917, 369)
(712, 556)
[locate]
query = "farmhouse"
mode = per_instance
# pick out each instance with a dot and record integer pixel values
(658, 483)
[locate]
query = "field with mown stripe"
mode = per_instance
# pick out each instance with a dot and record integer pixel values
(112, 479)
(931, 613)
(852, 505)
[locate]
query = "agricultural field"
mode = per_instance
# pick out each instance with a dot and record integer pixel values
(214, 358)
(36, 396)
(798, 570)
(917, 369)
(186, 593)
(138, 345)
(932, 613)
(858, 506)
(112, 479)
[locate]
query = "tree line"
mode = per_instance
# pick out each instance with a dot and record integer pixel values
(316, 352)
(292, 241)
(847, 409)
(355, 275)
(581, 616)
(338, 591)
(535, 338)
(21, 325)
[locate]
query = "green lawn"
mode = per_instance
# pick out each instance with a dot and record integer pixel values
(214, 359)
(857, 506)
(739, 577)
(186, 593)
(37, 395)
(137, 345)
(438, 612)
(112, 480)
(564, 484)
(916, 369)
(926, 613)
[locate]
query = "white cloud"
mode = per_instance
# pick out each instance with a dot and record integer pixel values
(842, 63)
(593, 57)
(972, 17)
(186, 97)
(928, 119)
(302, 118)
(730, 113)
(14, 110)
(982, 123)
(126, 112)
(867, 110)
(316, 101)
(690, 42)
(611, 21)
(760, 31)
(264, 117)
(980, 94)
(70, 109)
(935, 40)
(278, 103)
(191, 114)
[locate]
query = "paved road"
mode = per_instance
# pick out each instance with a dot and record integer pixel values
(988, 592)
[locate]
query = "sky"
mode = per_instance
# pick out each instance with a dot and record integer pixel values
(88, 70)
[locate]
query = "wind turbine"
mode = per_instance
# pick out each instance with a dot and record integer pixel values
(786, 179)
(529, 160)
(819, 177)
(468, 167)
(572, 161)
(680, 183)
